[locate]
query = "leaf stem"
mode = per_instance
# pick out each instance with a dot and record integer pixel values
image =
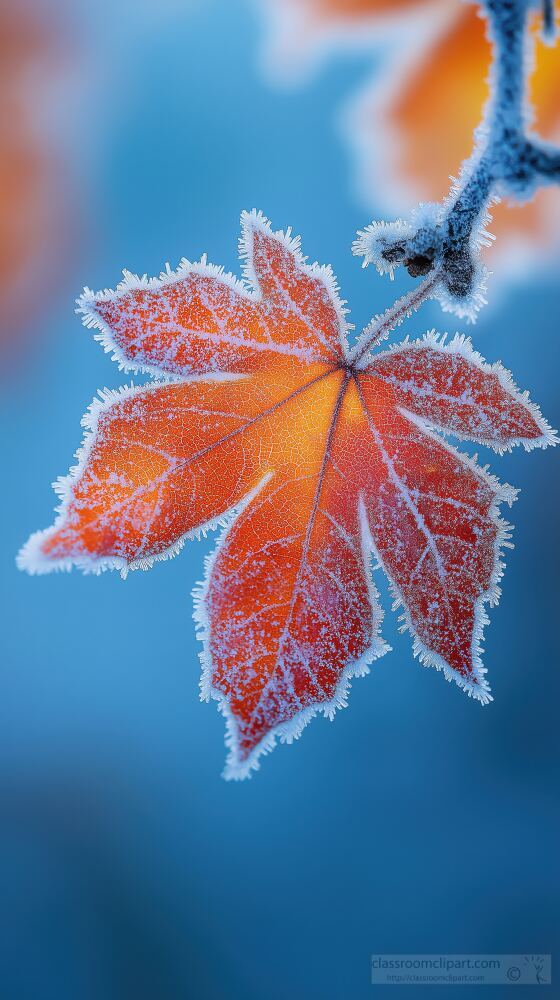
(381, 326)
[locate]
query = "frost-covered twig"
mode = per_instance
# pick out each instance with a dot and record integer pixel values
(548, 19)
(507, 160)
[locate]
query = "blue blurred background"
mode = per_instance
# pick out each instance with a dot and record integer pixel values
(418, 821)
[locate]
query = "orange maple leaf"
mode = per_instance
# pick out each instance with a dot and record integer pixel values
(318, 455)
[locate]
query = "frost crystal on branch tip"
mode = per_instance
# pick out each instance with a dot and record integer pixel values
(316, 460)
(384, 245)
(423, 247)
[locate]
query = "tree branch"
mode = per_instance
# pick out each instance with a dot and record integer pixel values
(505, 161)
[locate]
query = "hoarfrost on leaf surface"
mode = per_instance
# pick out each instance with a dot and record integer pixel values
(315, 458)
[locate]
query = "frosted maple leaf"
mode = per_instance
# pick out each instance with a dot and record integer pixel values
(411, 126)
(318, 457)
